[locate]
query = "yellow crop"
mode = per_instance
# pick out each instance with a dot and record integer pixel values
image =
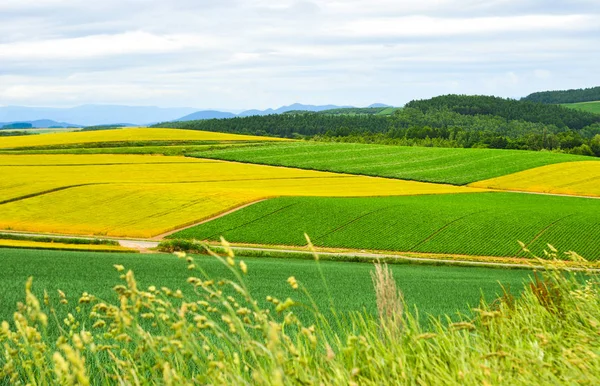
(144, 196)
(61, 246)
(574, 178)
(121, 135)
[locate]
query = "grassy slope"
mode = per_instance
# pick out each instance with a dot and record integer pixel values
(454, 166)
(592, 107)
(486, 224)
(76, 272)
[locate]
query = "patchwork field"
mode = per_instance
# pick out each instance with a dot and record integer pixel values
(573, 178)
(124, 135)
(485, 224)
(78, 272)
(144, 196)
(441, 165)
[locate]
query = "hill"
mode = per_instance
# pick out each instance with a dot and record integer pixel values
(293, 107)
(565, 96)
(206, 114)
(509, 109)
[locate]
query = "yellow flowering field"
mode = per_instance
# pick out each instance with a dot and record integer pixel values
(143, 196)
(124, 135)
(574, 178)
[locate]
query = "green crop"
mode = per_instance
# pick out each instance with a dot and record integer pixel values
(453, 166)
(484, 224)
(78, 272)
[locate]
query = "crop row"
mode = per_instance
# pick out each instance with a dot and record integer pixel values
(485, 224)
(441, 165)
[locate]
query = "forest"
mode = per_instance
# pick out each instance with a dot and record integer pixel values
(565, 96)
(447, 121)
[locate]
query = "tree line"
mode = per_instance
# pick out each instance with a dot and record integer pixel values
(448, 121)
(565, 96)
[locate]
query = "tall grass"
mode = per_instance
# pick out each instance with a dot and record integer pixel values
(549, 335)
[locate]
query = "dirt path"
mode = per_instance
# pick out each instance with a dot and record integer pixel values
(147, 246)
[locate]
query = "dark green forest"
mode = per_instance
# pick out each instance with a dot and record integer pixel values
(565, 96)
(509, 109)
(447, 121)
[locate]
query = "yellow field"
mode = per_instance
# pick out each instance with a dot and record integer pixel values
(143, 196)
(574, 178)
(60, 246)
(122, 135)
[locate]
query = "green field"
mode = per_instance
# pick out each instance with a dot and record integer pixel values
(592, 107)
(484, 224)
(443, 165)
(350, 283)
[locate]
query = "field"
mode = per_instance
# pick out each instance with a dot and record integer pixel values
(592, 107)
(124, 135)
(141, 148)
(441, 165)
(573, 178)
(54, 193)
(44, 130)
(485, 224)
(78, 272)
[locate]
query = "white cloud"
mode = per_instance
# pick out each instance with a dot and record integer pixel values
(260, 53)
(128, 43)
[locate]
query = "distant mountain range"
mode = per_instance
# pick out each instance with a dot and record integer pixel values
(92, 115)
(212, 114)
(41, 123)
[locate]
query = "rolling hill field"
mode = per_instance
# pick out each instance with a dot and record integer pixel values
(124, 135)
(144, 196)
(441, 165)
(485, 224)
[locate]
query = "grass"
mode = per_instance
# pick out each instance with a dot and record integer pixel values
(123, 135)
(442, 165)
(54, 239)
(547, 335)
(30, 244)
(483, 224)
(128, 193)
(78, 272)
(592, 107)
(573, 178)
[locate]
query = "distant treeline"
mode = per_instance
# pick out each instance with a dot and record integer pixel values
(289, 125)
(9, 133)
(509, 109)
(565, 96)
(447, 121)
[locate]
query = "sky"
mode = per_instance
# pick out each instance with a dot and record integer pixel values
(240, 54)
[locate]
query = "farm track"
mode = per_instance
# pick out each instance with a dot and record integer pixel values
(149, 245)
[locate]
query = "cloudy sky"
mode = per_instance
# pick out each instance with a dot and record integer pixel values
(238, 54)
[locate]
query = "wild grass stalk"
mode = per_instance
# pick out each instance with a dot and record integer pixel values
(220, 335)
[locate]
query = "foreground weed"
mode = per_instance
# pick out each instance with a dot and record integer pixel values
(220, 335)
